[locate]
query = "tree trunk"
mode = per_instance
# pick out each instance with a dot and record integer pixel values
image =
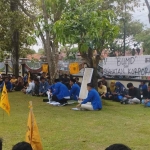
(148, 6)
(15, 39)
(93, 62)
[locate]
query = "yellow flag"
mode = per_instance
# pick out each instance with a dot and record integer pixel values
(32, 135)
(4, 103)
(28, 78)
(74, 68)
(45, 68)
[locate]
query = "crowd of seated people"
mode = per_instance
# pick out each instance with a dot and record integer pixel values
(66, 87)
(116, 91)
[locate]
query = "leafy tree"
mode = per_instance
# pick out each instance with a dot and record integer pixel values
(87, 25)
(144, 38)
(45, 13)
(70, 52)
(15, 31)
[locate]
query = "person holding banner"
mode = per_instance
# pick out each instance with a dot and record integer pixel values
(93, 100)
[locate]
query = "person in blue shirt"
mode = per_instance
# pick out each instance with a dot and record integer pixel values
(60, 93)
(75, 89)
(143, 89)
(93, 100)
(43, 87)
(7, 83)
(119, 93)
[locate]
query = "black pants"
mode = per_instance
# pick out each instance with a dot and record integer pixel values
(62, 101)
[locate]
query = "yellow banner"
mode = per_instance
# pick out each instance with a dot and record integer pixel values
(45, 68)
(32, 135)
(4, 103)
(74, 68)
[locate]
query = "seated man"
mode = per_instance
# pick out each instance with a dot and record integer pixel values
(43, 87)
(30, 87)
(7, 83)
(13, 81)
(75, 89)
(143, 89)
(104, 81)
(60, 93)
(77, 81)
(102, 89)
(36, 88)
(93, 100)
(133, 96)
(146, 99)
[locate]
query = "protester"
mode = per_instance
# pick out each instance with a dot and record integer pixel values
(146, 99)
(19, 85)
(133, 96)
(43, 87)
(75, 89)
(93, 100)
(118, 147)
(111, 89)
(77, 81)
(22, 146)
(120, 92)
(60, 93)
(66, 80)
(103, 79)
(13, 81)
(30, 87)
(7, 83)
(143, 89)
(36, 88)
(102, 89)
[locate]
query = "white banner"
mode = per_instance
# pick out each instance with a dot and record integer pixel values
(127, 65)
(86, 79)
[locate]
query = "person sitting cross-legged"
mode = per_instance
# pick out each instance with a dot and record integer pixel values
(60, 93)
(7, 83)
(102, 89)
(93, 100)
(43, 87)
(120, 92)
(146, 99)
(30, 87)
(36, 88)
(75, 89)
(133, 97)
(143, 89)
(111, 89)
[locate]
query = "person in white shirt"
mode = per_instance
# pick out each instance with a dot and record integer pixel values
(30, 87)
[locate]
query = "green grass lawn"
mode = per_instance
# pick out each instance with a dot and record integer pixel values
(63, 129)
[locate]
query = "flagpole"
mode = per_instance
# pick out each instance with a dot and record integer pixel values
(3, 115)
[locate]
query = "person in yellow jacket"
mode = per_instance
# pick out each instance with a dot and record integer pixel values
(102, 89)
